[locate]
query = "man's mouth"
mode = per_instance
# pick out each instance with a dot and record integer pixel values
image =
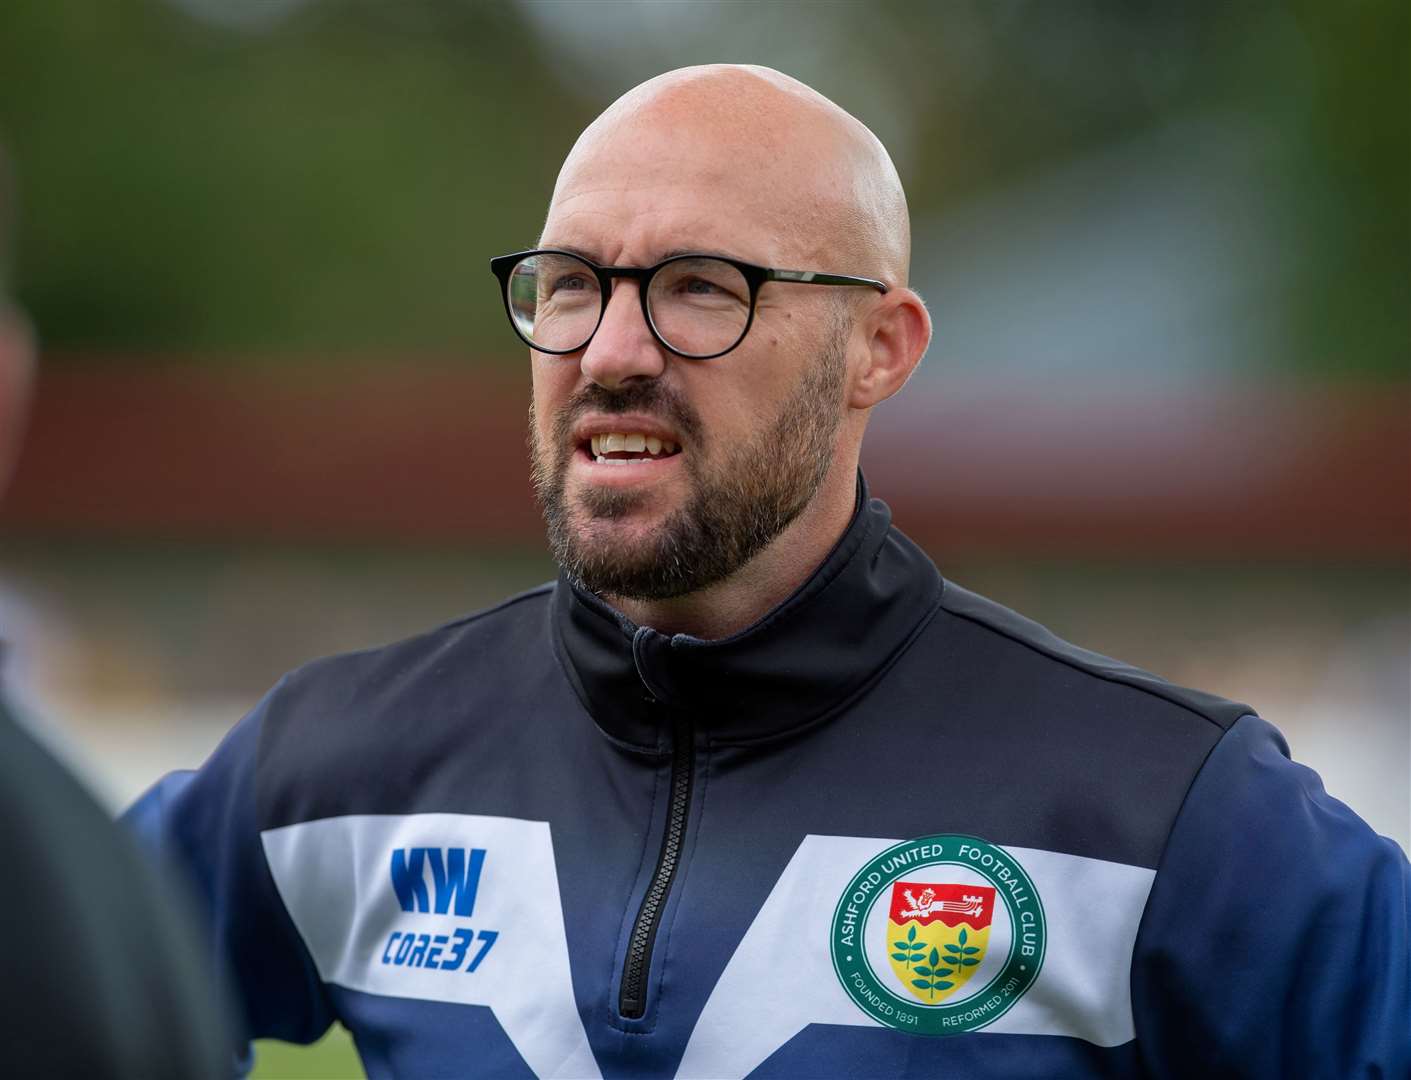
(622, 447)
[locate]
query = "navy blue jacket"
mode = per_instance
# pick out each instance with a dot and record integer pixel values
(892, 829)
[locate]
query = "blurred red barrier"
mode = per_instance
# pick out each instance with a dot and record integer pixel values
(320, 453)
(436, 454)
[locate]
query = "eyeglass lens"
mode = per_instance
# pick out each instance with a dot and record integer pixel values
(698, 305)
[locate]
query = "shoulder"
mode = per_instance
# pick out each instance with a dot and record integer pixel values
(1108, 750)
(1253, 800)
(1032, 647)
(361, 730)
(1305, 913)
(416, 664)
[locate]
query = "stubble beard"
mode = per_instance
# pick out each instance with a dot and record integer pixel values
(739, 502)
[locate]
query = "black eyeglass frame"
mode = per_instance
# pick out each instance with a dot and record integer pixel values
(502, 266)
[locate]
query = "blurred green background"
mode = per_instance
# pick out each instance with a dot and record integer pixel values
(321, 175)
(1167, 249)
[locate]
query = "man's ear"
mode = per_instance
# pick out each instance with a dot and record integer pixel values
(897, 331)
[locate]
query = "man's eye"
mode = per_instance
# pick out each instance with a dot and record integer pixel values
(570, 283)
(704, 288)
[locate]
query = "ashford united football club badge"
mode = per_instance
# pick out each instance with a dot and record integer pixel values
(938, 936)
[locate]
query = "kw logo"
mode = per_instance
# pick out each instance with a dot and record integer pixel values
(455, 882)
(455, 876)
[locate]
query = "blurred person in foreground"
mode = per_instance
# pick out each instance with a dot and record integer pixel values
(750, 789)
(102, 976)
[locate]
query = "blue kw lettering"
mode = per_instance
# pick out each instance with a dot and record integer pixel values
(455, 878)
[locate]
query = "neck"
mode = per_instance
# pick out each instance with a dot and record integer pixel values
(768, 579)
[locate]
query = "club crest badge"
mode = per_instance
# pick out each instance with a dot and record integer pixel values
(938, 936)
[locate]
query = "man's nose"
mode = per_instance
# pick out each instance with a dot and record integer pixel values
(623, 347)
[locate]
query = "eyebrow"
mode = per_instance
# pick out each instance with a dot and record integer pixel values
(674, 252)
(670, 254)
(568, 248)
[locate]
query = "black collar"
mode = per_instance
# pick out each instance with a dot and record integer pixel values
(813, 652)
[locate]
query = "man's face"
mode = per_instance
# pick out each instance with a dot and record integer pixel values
(754, 430)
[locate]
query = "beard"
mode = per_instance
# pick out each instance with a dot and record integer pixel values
(738, 503)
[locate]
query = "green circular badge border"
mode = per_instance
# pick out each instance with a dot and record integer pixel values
(932, 1015)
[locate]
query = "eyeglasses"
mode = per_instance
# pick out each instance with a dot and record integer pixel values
(696, 306)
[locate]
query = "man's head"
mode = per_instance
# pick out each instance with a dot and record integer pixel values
(751, 164)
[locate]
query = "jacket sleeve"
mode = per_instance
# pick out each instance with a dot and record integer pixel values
(1275, 941)
(205, 825)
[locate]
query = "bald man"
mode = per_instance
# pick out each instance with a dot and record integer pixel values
(750, 790)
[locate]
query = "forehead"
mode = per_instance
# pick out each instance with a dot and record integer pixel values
(647, 187)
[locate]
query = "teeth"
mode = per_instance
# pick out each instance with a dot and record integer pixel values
(628, 443)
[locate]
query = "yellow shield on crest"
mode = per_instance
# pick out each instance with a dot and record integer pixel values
(936, 936)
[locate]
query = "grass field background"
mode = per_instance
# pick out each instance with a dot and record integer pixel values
(331, 1058)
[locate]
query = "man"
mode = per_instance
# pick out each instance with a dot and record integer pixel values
(102, 977)
(750, 790)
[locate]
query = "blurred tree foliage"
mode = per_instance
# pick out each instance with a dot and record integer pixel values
(334, 180)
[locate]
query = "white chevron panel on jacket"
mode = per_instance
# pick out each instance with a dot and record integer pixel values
(335, 878)
(1092, 909)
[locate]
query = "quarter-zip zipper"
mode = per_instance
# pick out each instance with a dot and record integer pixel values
(632, 1001)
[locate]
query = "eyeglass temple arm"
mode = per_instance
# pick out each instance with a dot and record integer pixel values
(812, 277)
